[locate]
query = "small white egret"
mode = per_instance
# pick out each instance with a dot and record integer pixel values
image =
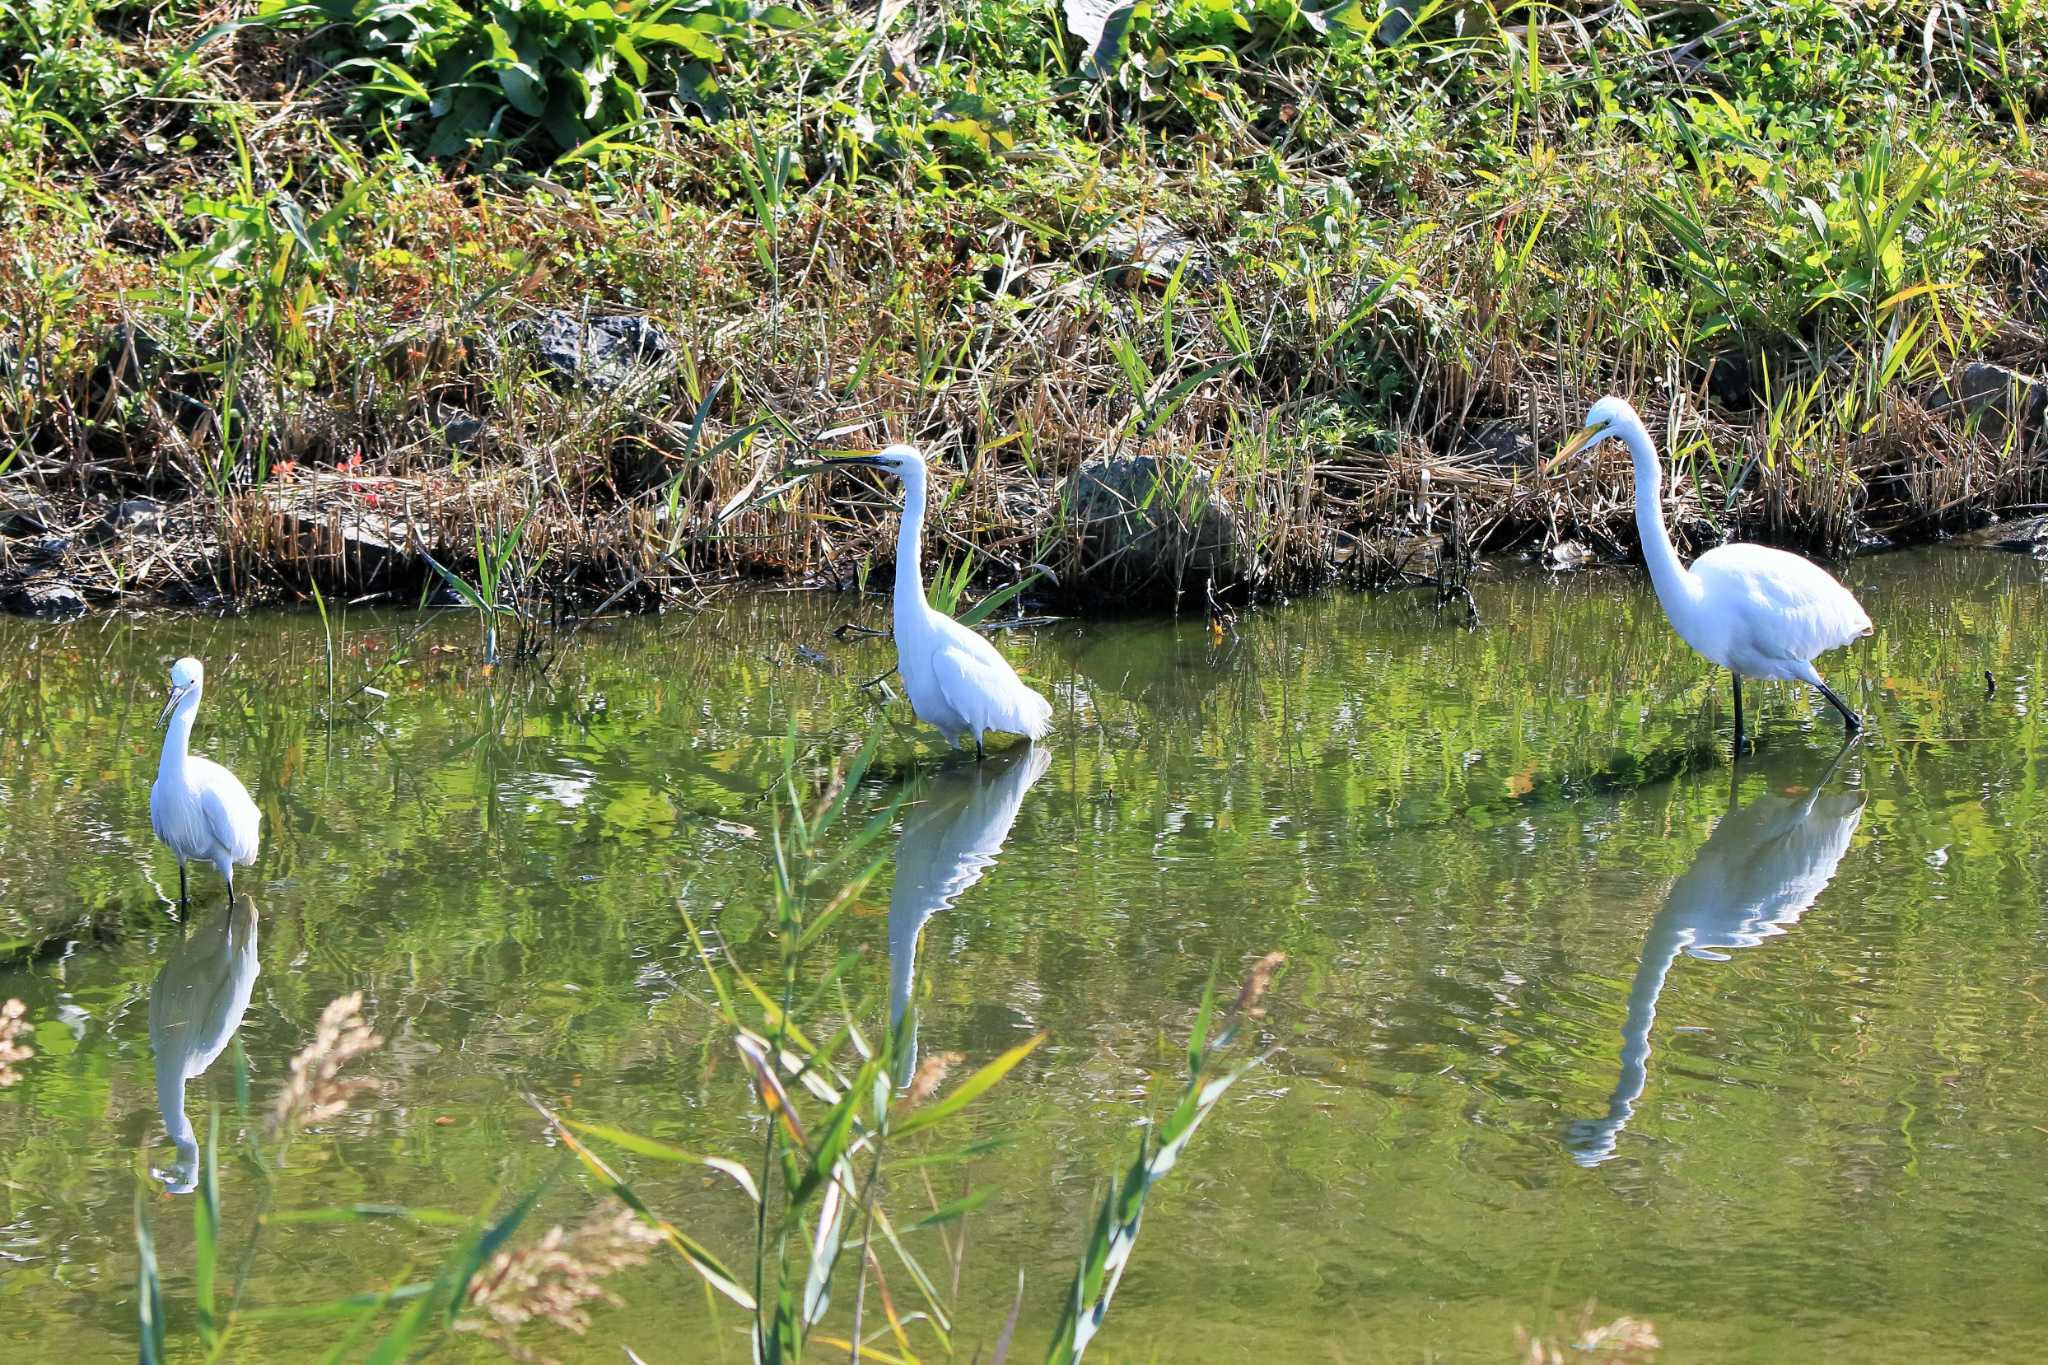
(1753, 610)
(958, 682)
(198, 808)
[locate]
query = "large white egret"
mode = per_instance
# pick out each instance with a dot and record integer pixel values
(1753, 610)
(1761, 869)
(951, 836)
(198, 808)
(958, 682)
(195, 1005)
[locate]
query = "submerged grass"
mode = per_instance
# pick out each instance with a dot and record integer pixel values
(291, 274)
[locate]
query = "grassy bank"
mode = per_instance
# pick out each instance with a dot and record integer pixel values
(288, 274)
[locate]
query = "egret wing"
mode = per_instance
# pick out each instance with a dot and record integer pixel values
(1798, 609)
(982, 688)
(231, 816)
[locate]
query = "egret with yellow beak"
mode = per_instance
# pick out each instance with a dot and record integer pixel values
(1756, 611)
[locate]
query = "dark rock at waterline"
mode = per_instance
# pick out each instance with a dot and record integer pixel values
(43, 598)
(1566, 556)
(2005, 402)
(2029, 537)
(348, 547)
(1151, 524)
(600, 355)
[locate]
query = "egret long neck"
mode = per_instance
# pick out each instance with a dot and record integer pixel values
(910, 548)
(1674, 584)
(178, 734)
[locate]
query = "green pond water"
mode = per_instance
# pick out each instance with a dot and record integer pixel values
(1575, 1008)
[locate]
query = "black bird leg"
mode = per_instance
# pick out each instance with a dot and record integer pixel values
(1740, 738)
(1851, 722)
(979, 753)
(184, 896)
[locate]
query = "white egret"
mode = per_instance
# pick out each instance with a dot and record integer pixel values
(951, 836)
(195, 1005)
(1761, 869)
(958, 682)
(198, 808)
(1753, 610)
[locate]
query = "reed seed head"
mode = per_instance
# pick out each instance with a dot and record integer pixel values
(317, 1090)
(13, 1023)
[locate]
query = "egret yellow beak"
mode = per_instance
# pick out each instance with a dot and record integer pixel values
(177, 694)
(1578, 442)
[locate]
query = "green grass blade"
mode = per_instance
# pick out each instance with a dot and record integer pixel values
(494, 1237)
(149, 1295)
(398, 1343)
(206, 1233)
(967, 1091)
(662, 1151)
(698, 1256)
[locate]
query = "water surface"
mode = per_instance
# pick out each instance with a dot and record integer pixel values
(1575, 1008)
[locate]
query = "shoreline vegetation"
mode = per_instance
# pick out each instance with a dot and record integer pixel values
(540, 307)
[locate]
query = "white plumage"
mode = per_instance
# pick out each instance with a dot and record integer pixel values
(958, 682)
(198, 808)
(1757, 612)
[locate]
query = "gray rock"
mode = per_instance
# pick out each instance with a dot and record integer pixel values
(2029, 537)
(43, 598)
(1154, 249)
(1567, 555)
(134, 516)
(1505, 444)
(1144, 523)
(349, 547)
(599, 355)
(464, 429)
(23, 513)
(2005, 402)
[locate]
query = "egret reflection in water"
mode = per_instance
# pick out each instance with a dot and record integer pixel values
(195, 1005)
(1758, 872)
(950, 838)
